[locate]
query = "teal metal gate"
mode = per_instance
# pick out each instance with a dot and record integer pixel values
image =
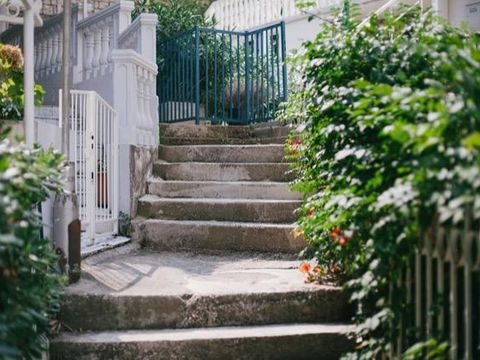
(222, 76)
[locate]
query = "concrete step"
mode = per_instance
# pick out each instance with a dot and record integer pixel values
(225, 141)
(216, 235)
(221, 189)
(202, 131)
(144, 290)
(299, 341)
(222, 153)
(222, 171)
(249, 210)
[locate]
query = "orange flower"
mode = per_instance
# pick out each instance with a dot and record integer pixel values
(297, 232)
(335, 232)
(310, 212)
(305, 267)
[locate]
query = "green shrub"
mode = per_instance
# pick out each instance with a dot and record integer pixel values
(29, 285)
(11, 84)
(174, 16)
(388, 138)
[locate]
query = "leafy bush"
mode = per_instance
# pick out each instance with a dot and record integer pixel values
(174, 16)
(388, 138)
(11, 83)
(29, 285)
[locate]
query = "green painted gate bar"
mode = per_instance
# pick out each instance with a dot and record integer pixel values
(222, 76)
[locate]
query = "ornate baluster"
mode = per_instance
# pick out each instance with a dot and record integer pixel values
(48, 63)
(97, 48)
(105, 45)
(43, 56)
(60, 50)
(88, 54)
(55, 44)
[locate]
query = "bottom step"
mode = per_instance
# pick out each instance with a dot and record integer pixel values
(299, 341)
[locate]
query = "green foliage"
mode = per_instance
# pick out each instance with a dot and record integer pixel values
(174, 16)
(428, 350)
(11, 84)
(387, 139)
(29, 286)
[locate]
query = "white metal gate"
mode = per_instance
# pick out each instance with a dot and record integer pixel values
(94, 150)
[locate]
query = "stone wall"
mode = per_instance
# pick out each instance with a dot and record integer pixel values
(53, 7)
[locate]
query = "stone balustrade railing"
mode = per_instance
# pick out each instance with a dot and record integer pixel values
(248, 14)
(135, 97)
(97, 36)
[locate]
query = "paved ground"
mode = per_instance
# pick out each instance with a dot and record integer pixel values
(139, 273)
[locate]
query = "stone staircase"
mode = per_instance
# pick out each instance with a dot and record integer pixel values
(216, 275)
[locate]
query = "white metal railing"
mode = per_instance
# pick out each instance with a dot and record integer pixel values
(441, 287)
(248, 14)
(94, 131)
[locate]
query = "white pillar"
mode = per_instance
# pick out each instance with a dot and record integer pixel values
(441, 8)
(28, 74)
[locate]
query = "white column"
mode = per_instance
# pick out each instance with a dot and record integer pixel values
(28, 74)
(441, 8)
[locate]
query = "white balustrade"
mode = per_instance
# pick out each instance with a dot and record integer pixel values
(135, 97)
(248, 14)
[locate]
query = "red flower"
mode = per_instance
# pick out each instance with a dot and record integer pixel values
(305, 267)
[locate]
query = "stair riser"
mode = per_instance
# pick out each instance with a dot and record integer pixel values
(101, 313)
(224, 190)
(298, 347)
(232, 154)
(274, 212)
(222, 172)
(220, 141)
(166, 235)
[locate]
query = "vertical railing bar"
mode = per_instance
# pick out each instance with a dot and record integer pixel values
(230, 69)
(467, 240)
(429, 285)
(453, 299)
(238, 79)
(277, 57)
(215, 107)
(207, 76)
(197, 76)
(262, 80)
(247, 80)
(284, 65)
(257, 67)
(223, 77)
(267, 60)
(418, 289)
(273, 73)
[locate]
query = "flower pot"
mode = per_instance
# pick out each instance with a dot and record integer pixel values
(102, 189)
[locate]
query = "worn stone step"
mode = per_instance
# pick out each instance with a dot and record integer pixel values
(223, 171)
(222, 153)
(221, 189)
(191, 131)
(299, 341)
(145, 290)
(216, 235)
(249, 210)
(225, 141)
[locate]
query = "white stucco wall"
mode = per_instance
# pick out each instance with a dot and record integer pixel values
(459, 11)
